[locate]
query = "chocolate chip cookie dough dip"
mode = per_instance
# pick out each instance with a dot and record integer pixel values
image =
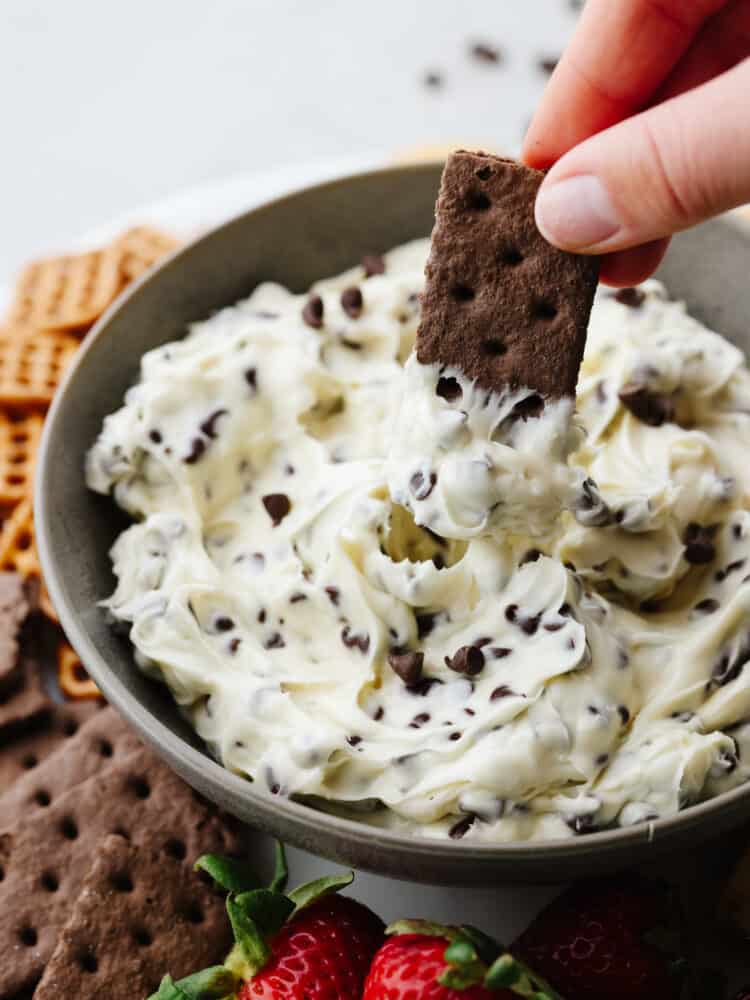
(347, 616)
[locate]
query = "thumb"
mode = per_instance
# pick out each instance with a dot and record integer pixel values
(654, 174)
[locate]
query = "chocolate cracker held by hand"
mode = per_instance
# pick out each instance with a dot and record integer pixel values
(501, 304)
(140, 912)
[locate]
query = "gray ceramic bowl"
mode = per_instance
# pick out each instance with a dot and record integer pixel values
(316, 232)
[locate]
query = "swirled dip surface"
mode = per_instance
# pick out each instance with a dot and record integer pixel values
(368, 583)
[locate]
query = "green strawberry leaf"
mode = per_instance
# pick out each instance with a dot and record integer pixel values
(281, 872)
(310, 892)
(229, 873)
(425, 927)
(509, 973)
(216, 983)
(463, 967)
(255, 917)
(486, 947)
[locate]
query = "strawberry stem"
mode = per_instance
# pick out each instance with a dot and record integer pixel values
(216, 983)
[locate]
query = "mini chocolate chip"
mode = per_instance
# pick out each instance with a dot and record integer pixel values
(737, 530)
(460, 829)
(448, 388)
(208, 427)
(334, 595)
(354, 641)
(373, 263)
(421, 486)
(602, 759)
(468, 660)
(530, 555)
(529, 407)
(234, 645)
(251, 377)
(379, 713)
(274, 641)
(277, 506)
(581, 824)
(502, 692)
(223, 624)
(511, 612)
(156, 437)
(297, 597)
(707, 606)
(419, 720)
(312, 312)
(262, 615)
(482, 641)
(197, 450)
(548, 64)
(486, 53)
(455, 736)
(352, 301)
(425, 623)
(500, 652)
(624, 714)
(631, 297)
(438, 561)
(651, 408)
(699, 547)
(424, 686)
(734, 566)
(353, 741)
(565, 609)
(554, 626)
(531, 624)
(408, 666)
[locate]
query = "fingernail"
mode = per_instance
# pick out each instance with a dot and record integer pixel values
(576, 213)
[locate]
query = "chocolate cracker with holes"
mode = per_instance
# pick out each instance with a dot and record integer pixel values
(17, 601)
(45, 857)
(26, 704)
(141, 912)
(501, 304)
(103, 740)
(55, 727)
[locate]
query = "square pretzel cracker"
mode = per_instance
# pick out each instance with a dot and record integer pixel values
(501, 304)
(32, 363)
(18, 552)
(74, 682)
(19, 443)
(68, 292)
(143, 247)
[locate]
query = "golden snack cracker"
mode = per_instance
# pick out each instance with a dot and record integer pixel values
(19, 442)
(32, 363)
(68, 292)
(74, 682)
(143, 247)
(18, 551)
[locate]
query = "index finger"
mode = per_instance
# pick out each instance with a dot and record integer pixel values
(622, 51)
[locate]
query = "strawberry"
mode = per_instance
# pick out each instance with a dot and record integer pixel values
(424, 961)
(308, 944)
(609, 939)
(323, 953)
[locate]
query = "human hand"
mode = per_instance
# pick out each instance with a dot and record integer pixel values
(647, 122)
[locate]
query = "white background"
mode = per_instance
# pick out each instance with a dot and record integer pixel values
(106, 105)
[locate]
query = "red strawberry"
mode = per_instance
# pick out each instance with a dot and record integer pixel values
(408, 967)
(608, 939)
(322, 953)
(424, 961)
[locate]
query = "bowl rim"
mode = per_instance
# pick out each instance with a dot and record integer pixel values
(203, 768)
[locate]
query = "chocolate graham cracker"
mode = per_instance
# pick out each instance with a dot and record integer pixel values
(26, 703)
(501, 304)
(45, 856)
(53, 729)
(141, 912)
(17, 601)
(102, 741)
